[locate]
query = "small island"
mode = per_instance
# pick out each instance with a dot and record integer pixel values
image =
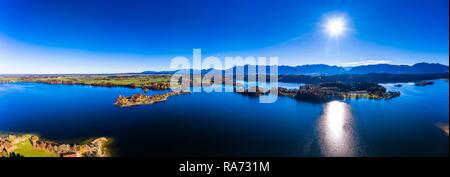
(252, 91)
(141, 99)
(29, 145)
(423, 83)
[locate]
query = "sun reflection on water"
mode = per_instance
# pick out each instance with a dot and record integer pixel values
(336, 130)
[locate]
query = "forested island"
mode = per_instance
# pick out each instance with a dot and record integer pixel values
(252, 91)
(318, 93)
(324, 92)
(423, 83)
(141, 99)
(29, 145)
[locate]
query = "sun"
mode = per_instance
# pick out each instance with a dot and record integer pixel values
(335, 26)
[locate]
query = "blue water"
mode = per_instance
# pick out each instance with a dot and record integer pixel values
(229, 124)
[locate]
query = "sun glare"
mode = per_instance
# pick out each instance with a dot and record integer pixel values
(335, 130)
(335, 26)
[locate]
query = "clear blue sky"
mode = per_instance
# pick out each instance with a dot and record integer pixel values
(90, 36)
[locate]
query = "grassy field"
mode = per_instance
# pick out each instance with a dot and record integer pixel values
(25, 149)
(113, 80)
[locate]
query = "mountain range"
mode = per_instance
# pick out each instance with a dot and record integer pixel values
(323, 69)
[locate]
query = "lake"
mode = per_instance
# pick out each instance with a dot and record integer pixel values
(229, 124)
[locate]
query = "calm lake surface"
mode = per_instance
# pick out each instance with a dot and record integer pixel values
(229, 124)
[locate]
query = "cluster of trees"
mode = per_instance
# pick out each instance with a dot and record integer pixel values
(338, 90)
(317, 94)
(354, 86)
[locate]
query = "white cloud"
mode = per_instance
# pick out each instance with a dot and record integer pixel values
(366, 62)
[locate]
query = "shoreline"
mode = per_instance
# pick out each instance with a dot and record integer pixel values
(32, 145)
(444, 127)
(150, 82)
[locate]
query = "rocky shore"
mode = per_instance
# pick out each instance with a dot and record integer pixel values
(141, 99)
(443, 127)
(11, 143)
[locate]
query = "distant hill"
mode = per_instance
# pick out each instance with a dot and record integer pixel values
(370, 77)
(419, 68)
(158, 72)
(322, 69)
(317, 69)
